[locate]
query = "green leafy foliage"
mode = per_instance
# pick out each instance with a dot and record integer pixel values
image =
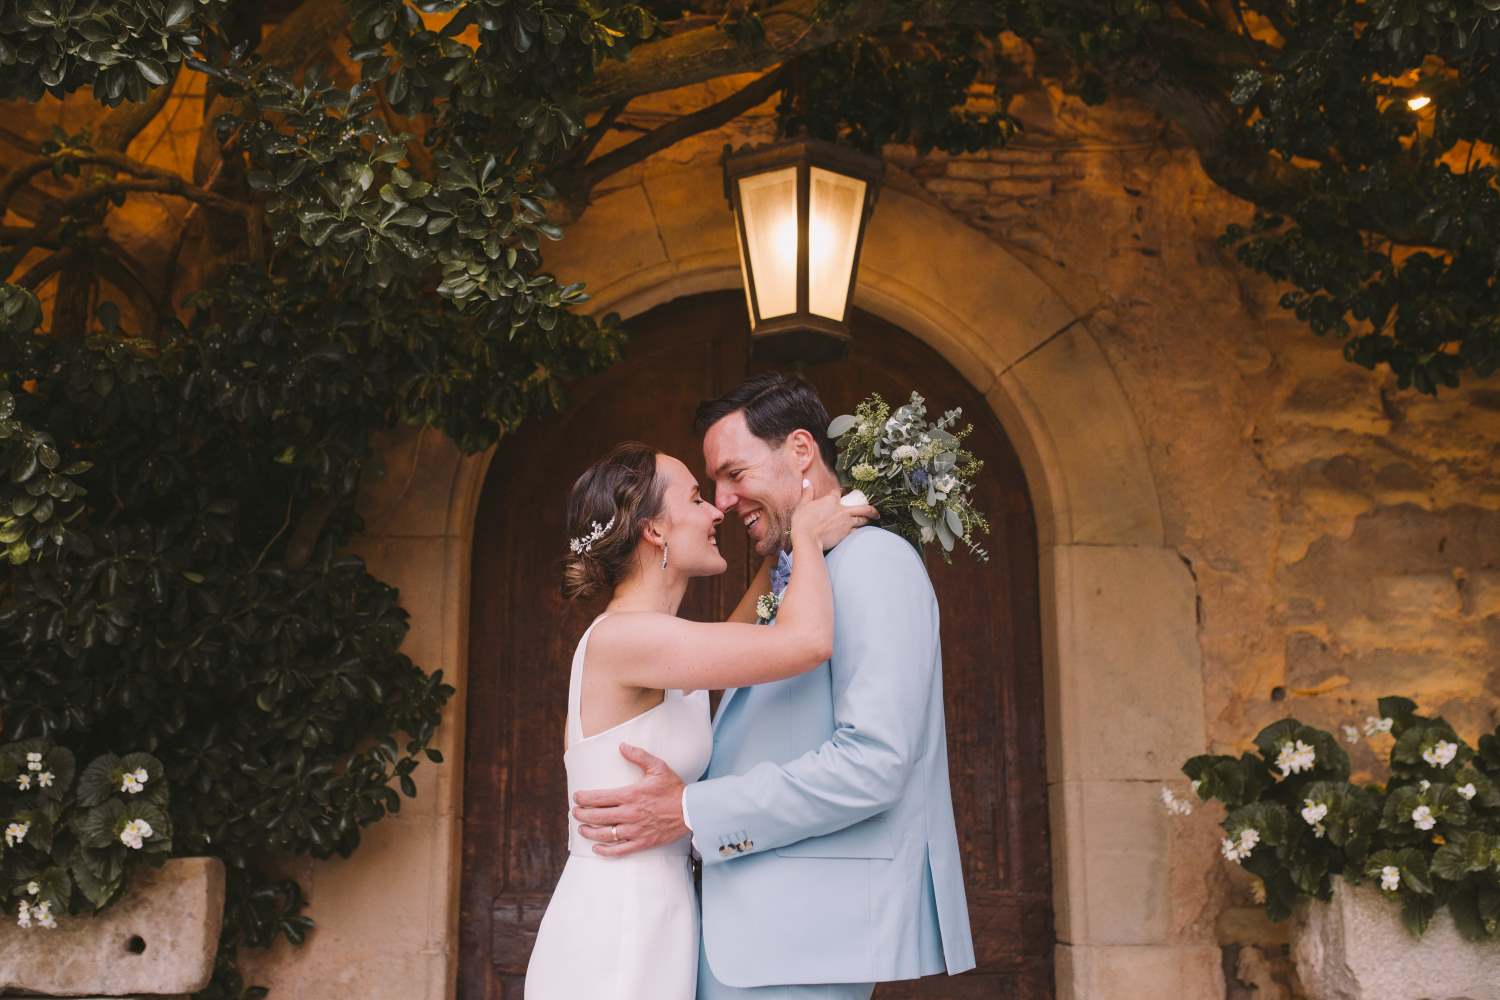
(67, 843)
(1429, 838)
(178, 499)
(913, 89)
(122, 50)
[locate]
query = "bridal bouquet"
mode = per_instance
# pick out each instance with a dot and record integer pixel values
(914, 471)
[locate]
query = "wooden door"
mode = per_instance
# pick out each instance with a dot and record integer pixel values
(522, 636)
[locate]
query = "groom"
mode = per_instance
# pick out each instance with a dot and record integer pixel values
(825, 821)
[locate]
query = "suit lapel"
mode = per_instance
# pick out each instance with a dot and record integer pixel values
(724, 706)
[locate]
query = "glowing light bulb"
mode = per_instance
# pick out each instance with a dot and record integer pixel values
(1419, 102)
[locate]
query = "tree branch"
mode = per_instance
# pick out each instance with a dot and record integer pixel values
(124, 164)
(791, 29)
(170, 184)
(600, 129)
(119, 126)
(46, 268)
(1213, 126)
(124, 272)
(155, 181)
(685, 127)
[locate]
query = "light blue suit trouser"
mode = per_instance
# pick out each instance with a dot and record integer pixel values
(710, 988)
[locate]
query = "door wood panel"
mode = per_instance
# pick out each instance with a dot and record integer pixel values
(522, 636)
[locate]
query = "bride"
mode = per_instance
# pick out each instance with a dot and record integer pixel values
(627, 928)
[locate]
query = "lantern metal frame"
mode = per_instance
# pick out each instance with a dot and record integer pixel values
(801, 335)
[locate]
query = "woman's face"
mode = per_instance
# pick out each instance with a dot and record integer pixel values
(688, 522)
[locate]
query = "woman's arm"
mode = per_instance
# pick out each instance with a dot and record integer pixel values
(652, 650)
(759, 584)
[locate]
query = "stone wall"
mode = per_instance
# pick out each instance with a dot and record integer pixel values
(1344, 534)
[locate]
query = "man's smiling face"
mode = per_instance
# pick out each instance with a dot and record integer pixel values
(753, 481)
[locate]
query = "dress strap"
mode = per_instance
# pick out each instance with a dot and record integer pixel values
(575, 684)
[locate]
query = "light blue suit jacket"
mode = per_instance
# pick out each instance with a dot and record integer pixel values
(825, 820)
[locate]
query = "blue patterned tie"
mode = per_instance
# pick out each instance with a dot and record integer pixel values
(782, 573)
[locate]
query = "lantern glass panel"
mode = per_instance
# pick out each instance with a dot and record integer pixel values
(768, 203)
(835, 210)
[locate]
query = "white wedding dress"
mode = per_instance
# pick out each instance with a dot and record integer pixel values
(623, 928)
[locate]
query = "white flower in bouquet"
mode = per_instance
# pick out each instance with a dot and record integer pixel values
(15, 833)
(1441, 753)
(1390, 878)
(1468, 791)
(33, 761)
(1295, 758)
(33, 888)
(23, 781)
(1422, 818)
(42, 912)
(1351, 734)
(1374, 724)
(135, 833)
(23, 914)
(133, 781)
(44, 779)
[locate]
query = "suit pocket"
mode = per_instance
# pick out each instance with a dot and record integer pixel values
(869, 838)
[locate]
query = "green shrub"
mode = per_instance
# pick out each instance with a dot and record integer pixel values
(1429, 837)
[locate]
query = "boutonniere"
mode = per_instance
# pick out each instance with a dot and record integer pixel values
(766, 606)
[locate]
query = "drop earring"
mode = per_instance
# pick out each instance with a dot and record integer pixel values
(663, 555)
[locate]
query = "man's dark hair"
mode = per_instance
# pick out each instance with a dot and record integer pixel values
(774, 404)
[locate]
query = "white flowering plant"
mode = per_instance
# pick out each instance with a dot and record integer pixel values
(1429, 837)
(916, 472)
(69, 836)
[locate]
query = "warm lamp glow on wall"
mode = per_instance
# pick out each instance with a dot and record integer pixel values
(800, 209)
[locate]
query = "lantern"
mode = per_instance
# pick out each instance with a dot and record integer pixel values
(800, 209)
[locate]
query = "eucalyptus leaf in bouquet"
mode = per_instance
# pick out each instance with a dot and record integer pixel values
(916, 472)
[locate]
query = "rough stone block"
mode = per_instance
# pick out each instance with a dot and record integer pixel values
(959, 188)
(1356, 948)
(1016, 187)
(1091, 972)
(1015, 154)
(1104, 491)
(978, 170)
(1114, 834)
(1126, 650)
(160, 938)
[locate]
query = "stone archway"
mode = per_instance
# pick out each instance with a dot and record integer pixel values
(1123, 678)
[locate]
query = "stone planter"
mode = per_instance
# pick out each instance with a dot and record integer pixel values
(1356, 948)
(160, 939)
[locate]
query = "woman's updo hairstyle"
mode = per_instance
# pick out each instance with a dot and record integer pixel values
(606, 509)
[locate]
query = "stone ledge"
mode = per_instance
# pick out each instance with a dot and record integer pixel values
(1356, 948)
(170, 915)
